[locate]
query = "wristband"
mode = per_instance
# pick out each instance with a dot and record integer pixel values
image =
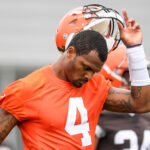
(134, 45)
(137, 66)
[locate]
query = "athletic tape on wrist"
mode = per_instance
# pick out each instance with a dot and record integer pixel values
(137, 66)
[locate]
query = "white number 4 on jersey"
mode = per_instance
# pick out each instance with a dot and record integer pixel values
(74, 104)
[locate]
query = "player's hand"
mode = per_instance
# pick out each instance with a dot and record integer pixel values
(131, 34)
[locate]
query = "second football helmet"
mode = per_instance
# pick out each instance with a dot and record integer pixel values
(89, 17)
(116, 68)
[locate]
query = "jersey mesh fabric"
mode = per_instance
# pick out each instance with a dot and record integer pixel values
(40, 102)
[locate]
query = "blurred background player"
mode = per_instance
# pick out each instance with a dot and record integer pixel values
(99, 18)
(120, 131)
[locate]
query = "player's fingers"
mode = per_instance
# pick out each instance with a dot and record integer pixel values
(124, 12)
(136, 26)
(120, 26)
(131, 22)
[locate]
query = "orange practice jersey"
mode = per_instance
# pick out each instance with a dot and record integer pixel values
(52, 113)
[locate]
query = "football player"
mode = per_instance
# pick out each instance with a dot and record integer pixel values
(58, 105)
(116, 71)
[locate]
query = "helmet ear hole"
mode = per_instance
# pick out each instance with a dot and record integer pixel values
(73, 22)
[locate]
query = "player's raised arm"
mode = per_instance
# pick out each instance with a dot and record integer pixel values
(7, 122)
(138, 99)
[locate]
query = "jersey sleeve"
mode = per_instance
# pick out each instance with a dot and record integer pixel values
(14, 100)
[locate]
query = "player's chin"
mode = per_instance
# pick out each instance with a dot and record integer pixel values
(77, 84)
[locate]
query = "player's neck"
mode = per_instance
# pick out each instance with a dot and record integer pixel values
(58, 69)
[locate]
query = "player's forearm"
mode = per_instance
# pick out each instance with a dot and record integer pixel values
(7, 122)
(119, 100)
(135, 101)
(140, 81)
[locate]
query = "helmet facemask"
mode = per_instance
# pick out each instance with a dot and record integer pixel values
(104, 20)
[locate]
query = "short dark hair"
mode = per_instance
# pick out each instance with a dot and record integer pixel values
(88, 40)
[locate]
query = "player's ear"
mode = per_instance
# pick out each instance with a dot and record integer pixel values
(71, 52)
